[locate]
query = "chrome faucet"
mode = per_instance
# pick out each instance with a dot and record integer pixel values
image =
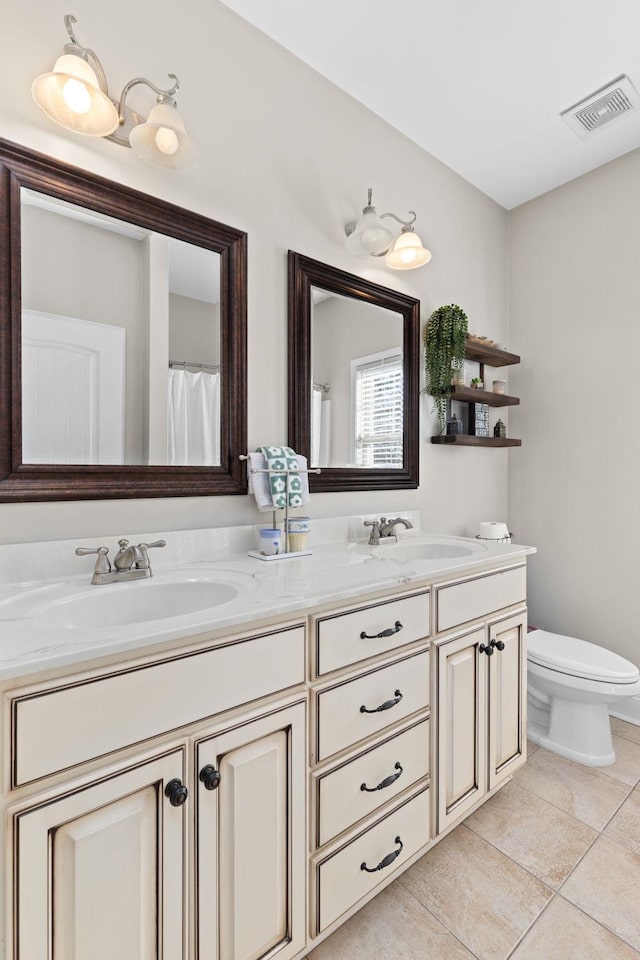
(131, 562)
(384, 529)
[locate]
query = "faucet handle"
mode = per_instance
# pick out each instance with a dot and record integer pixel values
(103, 564)
(374, 538)
(143, 564)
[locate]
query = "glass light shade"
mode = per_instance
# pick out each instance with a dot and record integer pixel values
(407, 252)
(162, 141)
(370, 236)
(71, 96)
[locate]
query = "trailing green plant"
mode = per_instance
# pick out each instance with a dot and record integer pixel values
(445, 336)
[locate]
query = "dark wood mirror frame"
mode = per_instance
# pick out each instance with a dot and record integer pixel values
(305, 273)
(20, 167)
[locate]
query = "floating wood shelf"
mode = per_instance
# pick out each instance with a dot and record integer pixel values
(492, 356)
(464, 440)
(471, 395)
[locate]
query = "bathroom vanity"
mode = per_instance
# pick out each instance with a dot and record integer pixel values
(235, 782)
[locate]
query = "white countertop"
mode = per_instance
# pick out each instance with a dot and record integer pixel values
(339, 570)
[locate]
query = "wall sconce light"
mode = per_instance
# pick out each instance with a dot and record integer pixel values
(368, 236)
(75, 95)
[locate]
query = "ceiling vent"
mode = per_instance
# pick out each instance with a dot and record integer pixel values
(596, 111)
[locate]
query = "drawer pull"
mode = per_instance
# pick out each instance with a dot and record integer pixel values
(386, 861)
(498, 644)
(210, 777)
(389, 632)
(177, 792)
(386, 782)
(384, 706)
(485, 649)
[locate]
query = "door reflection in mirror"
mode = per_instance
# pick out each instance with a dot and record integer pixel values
(106, 307)
(357, 364)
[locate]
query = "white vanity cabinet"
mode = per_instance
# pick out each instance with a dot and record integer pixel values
(250, 886)
(239, 795)
(480, 692)
(370, 753)
(100, 871)
(198, 835)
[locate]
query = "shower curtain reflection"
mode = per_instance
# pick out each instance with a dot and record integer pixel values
(193, 418)
(320, 426)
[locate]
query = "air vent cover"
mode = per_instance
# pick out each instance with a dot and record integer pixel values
(600, 108)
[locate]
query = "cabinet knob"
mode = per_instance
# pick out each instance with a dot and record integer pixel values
(210, 777)
(488, 649)
(498, 644)
(177, 792)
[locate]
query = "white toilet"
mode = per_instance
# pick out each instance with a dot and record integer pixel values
(571, 686)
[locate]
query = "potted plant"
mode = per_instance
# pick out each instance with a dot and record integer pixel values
(477, 383)
(445, 337)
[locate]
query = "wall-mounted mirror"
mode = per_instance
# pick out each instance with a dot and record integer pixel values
(354, 363)
(123, 332)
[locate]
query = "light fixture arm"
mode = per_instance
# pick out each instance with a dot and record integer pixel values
(164, 96)
(86, 53)
(68, 21)
(406, 224)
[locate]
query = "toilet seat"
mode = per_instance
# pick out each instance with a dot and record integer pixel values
(578, 658)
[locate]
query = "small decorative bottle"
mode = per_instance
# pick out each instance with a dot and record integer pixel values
(500, 430)
(454, 426)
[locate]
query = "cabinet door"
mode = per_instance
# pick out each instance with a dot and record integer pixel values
(100, 871)
(461, 738)
(507, 698)
(251, 840)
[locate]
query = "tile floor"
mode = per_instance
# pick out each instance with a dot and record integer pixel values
(548, 869)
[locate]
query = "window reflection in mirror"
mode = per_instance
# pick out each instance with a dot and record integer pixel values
(357, 390)
(120, 341)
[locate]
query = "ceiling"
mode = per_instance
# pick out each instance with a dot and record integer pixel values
(478, 85)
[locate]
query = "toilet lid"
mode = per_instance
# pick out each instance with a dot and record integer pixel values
(579, 658)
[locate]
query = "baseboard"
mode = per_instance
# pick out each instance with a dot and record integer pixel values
(628, 709)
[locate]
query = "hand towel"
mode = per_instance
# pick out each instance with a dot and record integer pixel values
(259, 482)
(286, 487)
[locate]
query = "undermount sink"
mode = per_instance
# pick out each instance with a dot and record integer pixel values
(169, 595)
(423, 548)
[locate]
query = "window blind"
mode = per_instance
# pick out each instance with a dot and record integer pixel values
(379, 411)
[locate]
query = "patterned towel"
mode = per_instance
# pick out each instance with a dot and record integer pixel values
(283, 458)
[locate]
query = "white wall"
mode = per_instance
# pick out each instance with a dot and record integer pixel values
(194, 330)
(575, 484)
(287, 157)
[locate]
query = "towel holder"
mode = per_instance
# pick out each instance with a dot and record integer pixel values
(287, 472)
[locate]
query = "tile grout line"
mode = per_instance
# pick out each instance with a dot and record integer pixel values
(442, 924)
(573, 816)
(600, 770)
(599, 923)
(532, 924)
(526, 869)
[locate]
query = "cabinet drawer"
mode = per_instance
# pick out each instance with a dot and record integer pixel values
(341, 879)
(479, 596)
(124, 708)
(339, 639)
(342, 722)
(342, 801)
